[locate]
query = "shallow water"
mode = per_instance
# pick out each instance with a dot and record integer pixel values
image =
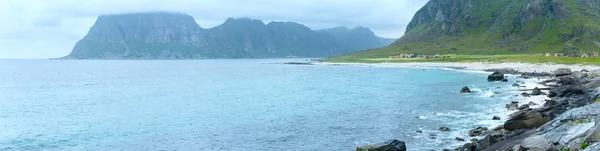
(234, 105)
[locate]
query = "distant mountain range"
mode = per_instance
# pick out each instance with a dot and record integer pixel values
(177, 36)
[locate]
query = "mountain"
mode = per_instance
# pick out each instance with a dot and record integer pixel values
(359, 38)
(177, 36)
(499, 27)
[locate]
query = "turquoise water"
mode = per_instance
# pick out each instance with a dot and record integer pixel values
(234, 105)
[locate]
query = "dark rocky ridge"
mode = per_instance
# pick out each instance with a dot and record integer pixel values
(177, 36)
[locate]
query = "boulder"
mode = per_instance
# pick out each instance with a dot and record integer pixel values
(496, 118)
(459, 139)
(465, 90)
(486, 142)
(526, 121)
(391, 145)
(562, 72)
(515, 85)
(584, 70)
(536, 91)
(567, 80)
(444, 129)
(524, 94)
(478, 131)
(496, 76)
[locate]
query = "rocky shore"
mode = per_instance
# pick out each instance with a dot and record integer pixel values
(567, 116)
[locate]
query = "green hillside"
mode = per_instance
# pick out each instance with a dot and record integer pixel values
(497, 27)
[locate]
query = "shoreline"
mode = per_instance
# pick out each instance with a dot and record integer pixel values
(475, 66)
(528, 77)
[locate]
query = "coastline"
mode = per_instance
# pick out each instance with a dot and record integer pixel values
(527, 77)
(475, 66)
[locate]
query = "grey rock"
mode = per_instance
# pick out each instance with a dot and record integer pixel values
(566, 80)
(391, 145)
(526, 121)
(524, 106)
(478, 131)
(565, 90)
(562, 72)
(486, 142)
(459, 139)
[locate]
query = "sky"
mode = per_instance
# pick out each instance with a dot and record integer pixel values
(40, 29)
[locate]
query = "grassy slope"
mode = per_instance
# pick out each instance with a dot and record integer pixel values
(495, 39)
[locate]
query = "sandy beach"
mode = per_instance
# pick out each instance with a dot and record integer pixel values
(479, 66)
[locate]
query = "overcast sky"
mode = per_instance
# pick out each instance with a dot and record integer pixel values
(50, 28)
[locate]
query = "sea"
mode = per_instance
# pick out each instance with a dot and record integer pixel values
(238, 104)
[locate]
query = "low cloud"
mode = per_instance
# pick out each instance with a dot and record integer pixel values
(46, 29)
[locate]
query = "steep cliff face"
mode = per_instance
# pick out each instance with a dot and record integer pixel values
(504, 26)
(147, 36)
(178, 36)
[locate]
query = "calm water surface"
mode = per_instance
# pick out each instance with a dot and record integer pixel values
(234, 105)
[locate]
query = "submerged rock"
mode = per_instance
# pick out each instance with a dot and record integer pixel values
(444, 129)
(515, 85)
(524, 94)
(562, 72)
(459, 139)
(465, 90)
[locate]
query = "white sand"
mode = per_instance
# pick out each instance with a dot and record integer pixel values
(479, 66)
